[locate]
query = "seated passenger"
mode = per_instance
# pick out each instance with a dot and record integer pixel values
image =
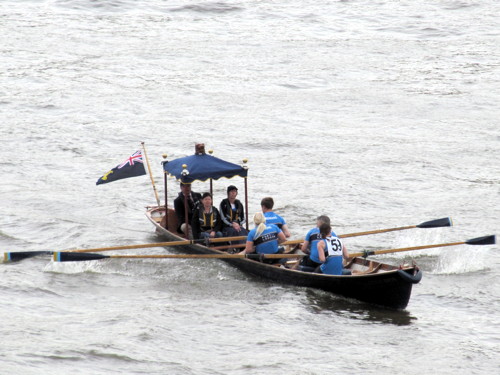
(267, 205)
(206, 222)
(233, 215)
(180, 210)
(330, 252)
(264, 237)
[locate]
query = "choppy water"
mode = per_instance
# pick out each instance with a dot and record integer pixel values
(380, 114)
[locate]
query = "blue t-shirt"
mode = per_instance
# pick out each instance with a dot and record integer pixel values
(272, 218)
(267, 242)
(333, 263)
(313, 237)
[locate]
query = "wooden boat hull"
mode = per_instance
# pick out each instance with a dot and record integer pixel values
(387, 285)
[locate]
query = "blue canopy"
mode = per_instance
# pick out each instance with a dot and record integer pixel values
(202, 167)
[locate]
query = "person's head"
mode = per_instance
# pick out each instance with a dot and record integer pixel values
(260, 222)
(267, 204)
(259, 218)
(325, 230)
(323, 219)
(232, 191)
(206, 199)
(185, 188)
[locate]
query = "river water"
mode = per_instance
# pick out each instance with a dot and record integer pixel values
(378, 113)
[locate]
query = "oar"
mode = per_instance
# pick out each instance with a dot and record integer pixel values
(437, 223)
(78, 257)
(486, 240)
(444, 222)
(20, 255)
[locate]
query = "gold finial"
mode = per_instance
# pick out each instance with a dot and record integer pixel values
(245, 161)
(185, 172)
(210, 151)
(164, 161)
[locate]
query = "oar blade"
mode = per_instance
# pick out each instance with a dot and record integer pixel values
(486, 240)
(20, 255)
(77, 257)
(444, 222)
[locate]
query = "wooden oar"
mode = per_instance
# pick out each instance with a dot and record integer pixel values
(20, 255)
(78, 257)
(486, 240)
(444, 222)
(437, 223)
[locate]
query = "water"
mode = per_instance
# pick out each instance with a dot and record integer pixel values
(379, 114)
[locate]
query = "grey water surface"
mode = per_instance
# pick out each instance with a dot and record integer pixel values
(379, 114)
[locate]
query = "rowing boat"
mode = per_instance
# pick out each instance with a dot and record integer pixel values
(373, 282)
(376, 283)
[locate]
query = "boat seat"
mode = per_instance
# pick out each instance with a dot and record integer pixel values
(348, 264)
(374, 270)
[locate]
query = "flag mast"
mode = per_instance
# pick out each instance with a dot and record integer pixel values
(150, 175)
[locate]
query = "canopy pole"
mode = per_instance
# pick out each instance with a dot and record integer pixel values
(185, 172)
(150, 175)
(210, 152)
(246, 193)
(165, 175)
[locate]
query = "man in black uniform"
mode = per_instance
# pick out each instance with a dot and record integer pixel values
(180, 209)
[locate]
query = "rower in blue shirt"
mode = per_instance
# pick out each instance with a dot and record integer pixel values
(310, 246)
(264, 237)
(331, 252)
(267, 205)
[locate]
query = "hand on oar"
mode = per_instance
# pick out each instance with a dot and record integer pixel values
(20, 255)
(77, 257)
(486, 240)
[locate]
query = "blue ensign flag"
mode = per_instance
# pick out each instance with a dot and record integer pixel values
(133, 166)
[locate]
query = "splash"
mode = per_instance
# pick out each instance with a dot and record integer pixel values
(461, 260)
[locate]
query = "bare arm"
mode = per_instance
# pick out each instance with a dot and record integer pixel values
(248, 248)
(285, 230)
(281, 237)
(305, 247)
(345, 253)
(321, 251)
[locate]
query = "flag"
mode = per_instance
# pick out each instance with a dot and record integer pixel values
(133, 166)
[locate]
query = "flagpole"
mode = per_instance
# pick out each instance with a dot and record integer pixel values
(150, 175)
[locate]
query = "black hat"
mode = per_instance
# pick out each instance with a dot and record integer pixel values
(231, 187)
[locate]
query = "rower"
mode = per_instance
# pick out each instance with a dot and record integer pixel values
(267, 205)
(264, 238)
(330, 252)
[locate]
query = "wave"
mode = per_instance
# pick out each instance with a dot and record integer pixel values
(130, 5)
(208, 7)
